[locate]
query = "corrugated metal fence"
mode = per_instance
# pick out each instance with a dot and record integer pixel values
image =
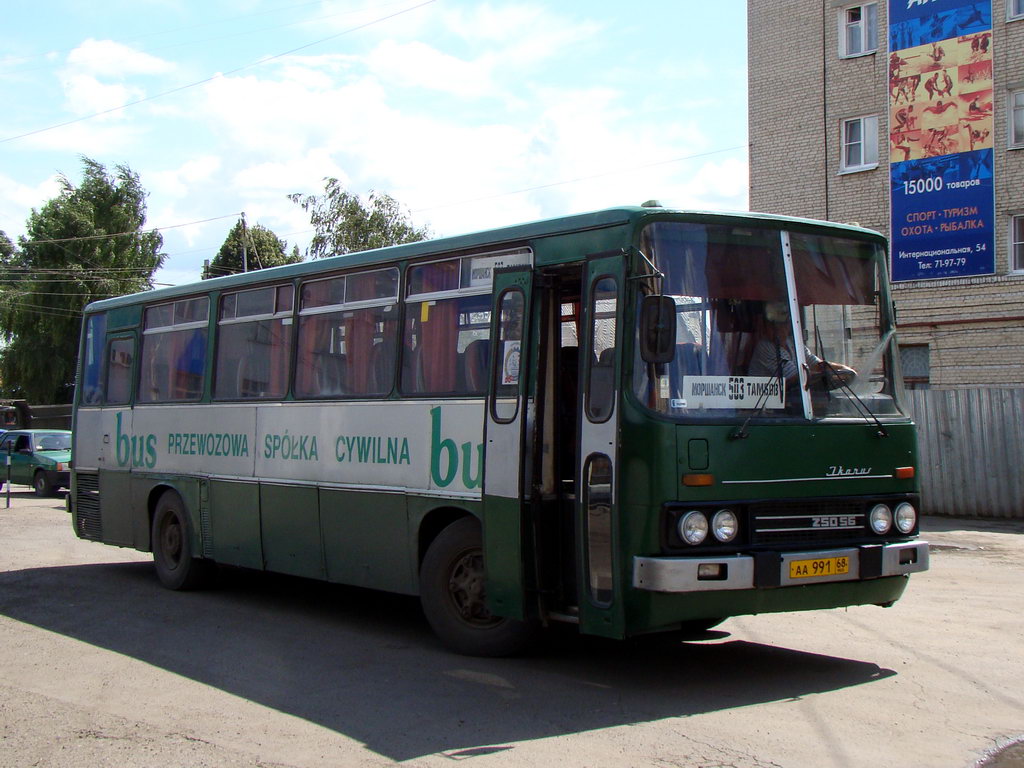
(971, 444)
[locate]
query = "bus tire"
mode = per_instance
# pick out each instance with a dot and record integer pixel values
(452, 596)
(176, 568)
(41, 484)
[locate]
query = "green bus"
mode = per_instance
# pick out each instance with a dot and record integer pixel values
(635, 420)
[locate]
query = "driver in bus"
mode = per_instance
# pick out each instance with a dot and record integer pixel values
(774, 354)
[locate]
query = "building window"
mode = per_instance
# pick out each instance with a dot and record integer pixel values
(1015, 9)
(914, 363)
(1017, 117)
(1017, 243)
(860, 144)
(858, 29)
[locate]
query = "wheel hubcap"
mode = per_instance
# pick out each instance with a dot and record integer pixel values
(466, 589)
(172, 542)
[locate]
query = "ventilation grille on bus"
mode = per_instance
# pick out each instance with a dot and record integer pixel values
(808, 522)
(87, 506)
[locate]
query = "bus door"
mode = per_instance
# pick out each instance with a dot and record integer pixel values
(505, 455)
(597, 472)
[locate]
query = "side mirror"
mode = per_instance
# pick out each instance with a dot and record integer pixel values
(657, 329)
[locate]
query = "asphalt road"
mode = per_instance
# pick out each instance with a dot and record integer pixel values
(99, 666)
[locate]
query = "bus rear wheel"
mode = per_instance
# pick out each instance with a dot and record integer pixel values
(176, 568)
(452, 596)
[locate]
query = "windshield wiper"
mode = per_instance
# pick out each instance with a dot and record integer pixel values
(762, 400)
(830, 375)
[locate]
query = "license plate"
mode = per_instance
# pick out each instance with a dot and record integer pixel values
(821, 566)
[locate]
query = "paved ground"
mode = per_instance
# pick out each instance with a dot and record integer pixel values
(101, 667)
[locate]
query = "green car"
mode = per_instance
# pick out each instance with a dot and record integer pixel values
(38, 457)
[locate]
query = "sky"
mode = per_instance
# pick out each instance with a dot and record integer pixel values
(472, 115)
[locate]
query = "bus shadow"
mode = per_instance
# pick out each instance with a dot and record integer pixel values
(365, 664)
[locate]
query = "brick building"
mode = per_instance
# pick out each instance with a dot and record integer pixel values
(852, 111)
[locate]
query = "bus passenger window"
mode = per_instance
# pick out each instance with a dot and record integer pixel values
(254, 344)
(174, 351)
(438, 357)
(346, 348)
(121, 355)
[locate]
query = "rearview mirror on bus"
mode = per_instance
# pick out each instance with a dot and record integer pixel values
(657, 329)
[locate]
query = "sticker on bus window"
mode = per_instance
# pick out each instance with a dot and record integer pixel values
(734, 392)
(481, 268)
(510, 362)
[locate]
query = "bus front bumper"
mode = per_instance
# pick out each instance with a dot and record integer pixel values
(778, 569)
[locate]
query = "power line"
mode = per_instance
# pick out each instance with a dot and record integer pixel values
(218, 75)
(5, 65)
(42, 309)
(122, 234)
(31, 271)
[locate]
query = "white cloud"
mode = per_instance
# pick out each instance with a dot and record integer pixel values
(417, 65)
(106, 58)
(17, 200)
(85, 95)
(301, 174)
(178, 182)
(525, 33)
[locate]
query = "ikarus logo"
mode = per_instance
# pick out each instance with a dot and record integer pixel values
(839, 470)
(446, 460)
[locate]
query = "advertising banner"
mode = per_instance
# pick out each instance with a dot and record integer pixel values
(940, 139)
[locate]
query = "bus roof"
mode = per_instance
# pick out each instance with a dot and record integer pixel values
(509, 236)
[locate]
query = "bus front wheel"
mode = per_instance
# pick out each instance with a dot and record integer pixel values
(172, 546)
(452, 596)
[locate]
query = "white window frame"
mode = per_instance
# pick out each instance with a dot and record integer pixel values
(1016, 244)
(868, 143)
(1014, 10)
(1015, 107)
(865, 30)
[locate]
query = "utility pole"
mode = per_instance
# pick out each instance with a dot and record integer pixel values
(245, 239)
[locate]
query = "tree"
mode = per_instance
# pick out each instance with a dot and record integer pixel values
(345, 224)
(85, 244)
(6, 248)
(262, 249)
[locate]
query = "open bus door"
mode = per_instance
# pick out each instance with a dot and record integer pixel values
(505, 455)
(597, 470)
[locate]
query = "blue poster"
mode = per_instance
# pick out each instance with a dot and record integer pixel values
(940, 139)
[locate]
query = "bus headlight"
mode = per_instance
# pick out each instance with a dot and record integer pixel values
(725, 525)
(693, 527)
(880, 518)
(906, 517)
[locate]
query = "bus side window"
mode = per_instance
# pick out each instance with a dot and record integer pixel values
(120, 358)
(371, 335)
(92, 362)
(475, 362)
(254, 337)
(438, 337)
(174, 350)
(348, 326)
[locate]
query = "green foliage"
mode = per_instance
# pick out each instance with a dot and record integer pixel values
(83, 245)
(6, 248)
(263, 249)
(345, 224)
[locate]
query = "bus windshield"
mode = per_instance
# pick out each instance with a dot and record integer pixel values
(737, 319)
